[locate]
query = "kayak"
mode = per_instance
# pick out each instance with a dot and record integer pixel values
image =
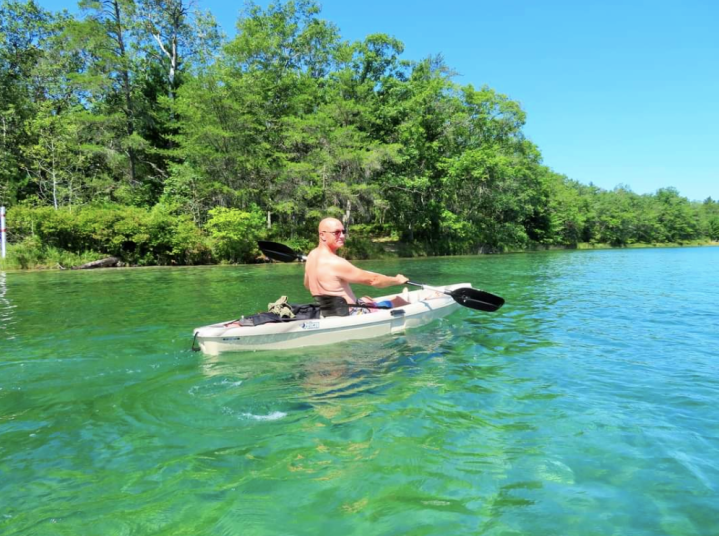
(424, 306)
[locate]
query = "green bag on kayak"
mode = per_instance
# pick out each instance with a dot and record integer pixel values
(281, 308)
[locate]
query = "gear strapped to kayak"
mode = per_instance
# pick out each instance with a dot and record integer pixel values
(290, 312)
(281, 307)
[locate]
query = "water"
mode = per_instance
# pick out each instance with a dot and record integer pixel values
(587, 405)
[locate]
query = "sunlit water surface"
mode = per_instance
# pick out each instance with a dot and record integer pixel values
(589, 405)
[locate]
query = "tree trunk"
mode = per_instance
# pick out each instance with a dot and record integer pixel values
(129, 112)
(348, 214)
(102, 263)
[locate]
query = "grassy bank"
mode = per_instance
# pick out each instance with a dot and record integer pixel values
(26, 256)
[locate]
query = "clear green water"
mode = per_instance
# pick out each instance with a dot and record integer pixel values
(587, 406)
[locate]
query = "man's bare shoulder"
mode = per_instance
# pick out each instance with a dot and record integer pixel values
(339, 261)
(326, 257)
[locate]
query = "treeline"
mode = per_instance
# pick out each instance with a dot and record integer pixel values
(136, 128)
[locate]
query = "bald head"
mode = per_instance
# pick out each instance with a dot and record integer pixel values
(329, 224)
(332, 233)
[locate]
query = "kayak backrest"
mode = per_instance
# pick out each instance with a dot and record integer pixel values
(332, 305)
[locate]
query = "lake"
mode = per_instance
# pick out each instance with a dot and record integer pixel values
(588, 405)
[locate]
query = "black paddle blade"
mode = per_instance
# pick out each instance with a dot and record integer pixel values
(278, 252)
(477, 299)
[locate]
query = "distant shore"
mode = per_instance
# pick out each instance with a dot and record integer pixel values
(387, 250)
(585, 246)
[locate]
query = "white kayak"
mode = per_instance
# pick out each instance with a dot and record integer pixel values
(424, 306)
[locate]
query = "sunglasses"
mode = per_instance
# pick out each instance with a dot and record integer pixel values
(336, 233)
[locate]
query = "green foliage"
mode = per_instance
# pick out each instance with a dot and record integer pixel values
(134, 129)
(189, 244)
(414, 249)
(360, 246)
(135, 235)
(235, 233)
(709, 218)
(31, 253)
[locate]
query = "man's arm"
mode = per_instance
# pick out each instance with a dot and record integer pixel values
(310, 266)
(350, 273)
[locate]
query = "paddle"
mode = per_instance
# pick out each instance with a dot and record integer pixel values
(468, 297)
(279, 252)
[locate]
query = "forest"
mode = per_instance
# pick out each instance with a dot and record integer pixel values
(136, 128)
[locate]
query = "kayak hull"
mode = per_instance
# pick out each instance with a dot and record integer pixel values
(425, 306)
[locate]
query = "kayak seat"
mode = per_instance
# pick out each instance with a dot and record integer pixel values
(332, 305)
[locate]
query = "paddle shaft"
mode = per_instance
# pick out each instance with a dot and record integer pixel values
(421, 285)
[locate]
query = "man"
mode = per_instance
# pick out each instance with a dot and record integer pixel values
(329, 275)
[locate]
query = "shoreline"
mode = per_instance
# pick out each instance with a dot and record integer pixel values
(638, 245)
(391, 253)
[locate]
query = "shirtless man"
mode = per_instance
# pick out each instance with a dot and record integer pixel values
(327, 274)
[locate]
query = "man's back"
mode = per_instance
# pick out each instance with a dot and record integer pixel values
(322, 275)
(327, 274)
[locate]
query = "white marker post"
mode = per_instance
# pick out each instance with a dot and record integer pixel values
(2, 229)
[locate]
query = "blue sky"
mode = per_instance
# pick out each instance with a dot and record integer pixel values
(616, 92)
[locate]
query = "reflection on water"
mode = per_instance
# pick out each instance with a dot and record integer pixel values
(6, 310)
(328, 380)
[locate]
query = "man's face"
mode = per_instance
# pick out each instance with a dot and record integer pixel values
(334, 235)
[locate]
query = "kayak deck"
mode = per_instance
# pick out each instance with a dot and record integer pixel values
(424, 306)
